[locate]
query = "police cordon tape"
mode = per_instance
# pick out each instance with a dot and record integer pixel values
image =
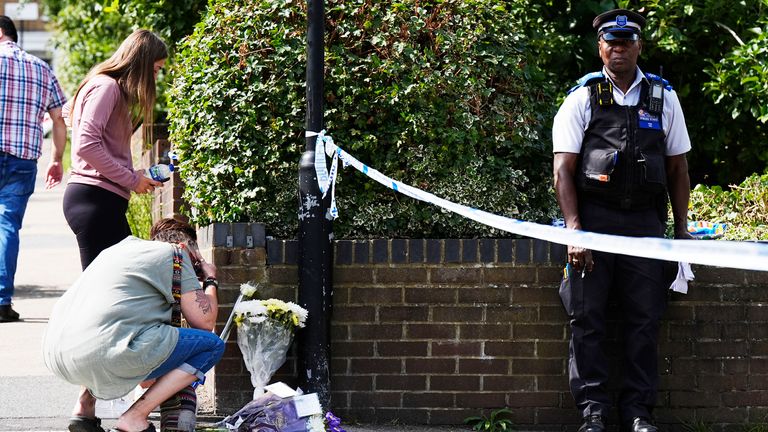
(720, 253)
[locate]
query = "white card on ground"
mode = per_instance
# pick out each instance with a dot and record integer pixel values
(281, 390)
(307, 405)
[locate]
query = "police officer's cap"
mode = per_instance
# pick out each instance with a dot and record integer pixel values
(619, 24)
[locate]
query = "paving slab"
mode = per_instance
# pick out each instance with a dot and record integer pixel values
(31, 398)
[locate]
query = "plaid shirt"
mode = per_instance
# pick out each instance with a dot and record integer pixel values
(28, 89)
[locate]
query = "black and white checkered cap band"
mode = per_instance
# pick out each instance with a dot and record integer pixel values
(614, 26)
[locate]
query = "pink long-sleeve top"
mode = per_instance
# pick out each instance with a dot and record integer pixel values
(101, 138)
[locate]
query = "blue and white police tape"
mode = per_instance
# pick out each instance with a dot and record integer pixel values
(733, 254)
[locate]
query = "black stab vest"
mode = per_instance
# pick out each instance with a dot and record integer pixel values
(621, 165)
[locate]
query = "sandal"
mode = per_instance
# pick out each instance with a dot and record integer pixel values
(150, 428)
(85, 424)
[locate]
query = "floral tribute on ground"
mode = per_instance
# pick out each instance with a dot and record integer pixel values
(265, 330)
(271, 413)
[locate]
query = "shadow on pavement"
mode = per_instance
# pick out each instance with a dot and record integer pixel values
(36, 292)
(32, 320)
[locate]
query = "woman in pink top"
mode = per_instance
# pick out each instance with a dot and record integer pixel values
(110, 102)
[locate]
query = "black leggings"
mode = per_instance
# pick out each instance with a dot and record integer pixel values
(97, 217)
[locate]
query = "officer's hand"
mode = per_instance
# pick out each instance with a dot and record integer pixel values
(580, 258)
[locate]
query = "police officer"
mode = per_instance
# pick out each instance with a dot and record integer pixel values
(619, 143)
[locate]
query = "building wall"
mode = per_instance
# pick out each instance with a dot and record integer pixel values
(431, 331)
(34, 36)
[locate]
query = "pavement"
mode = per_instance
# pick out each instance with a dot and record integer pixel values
(31, 397)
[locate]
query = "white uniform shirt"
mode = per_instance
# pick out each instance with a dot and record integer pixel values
(575, 113)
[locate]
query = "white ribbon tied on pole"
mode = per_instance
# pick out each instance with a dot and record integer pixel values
(732, 254)
(326, 180)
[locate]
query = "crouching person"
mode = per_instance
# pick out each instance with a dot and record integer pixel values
(113, 329)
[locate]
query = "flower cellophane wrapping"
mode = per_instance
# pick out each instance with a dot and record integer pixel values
(266, 413)
(264, 346)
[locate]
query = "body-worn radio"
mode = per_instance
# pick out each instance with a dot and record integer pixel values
(656, 94)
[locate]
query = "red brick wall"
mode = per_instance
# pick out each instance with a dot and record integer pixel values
(432, 331)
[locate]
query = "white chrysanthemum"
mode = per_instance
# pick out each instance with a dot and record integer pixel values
(316, 423)
(299, 311)
(248, 290)
(255, 319)
(275, 303)
(252, 307)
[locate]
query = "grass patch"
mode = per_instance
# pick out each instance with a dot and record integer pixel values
(756, 427)
(696, 425)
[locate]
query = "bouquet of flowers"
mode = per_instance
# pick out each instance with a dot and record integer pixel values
(264, 333)
(270, 413)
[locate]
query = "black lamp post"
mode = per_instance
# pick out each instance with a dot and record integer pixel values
(315, 231)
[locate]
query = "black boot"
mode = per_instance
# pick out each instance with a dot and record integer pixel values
(7, 314)
(593, 423)
(642, 424)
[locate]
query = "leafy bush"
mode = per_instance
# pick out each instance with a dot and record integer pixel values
(172, 20)
(694, 42)
(437, 94)
(744, 207)
(740, 80)
(84, 35)
(87, 33)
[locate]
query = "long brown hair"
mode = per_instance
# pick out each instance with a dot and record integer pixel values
(132, 66)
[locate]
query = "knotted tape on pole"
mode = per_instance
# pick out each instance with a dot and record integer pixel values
(326, 180)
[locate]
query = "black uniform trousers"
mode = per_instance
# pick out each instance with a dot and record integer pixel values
(638, 284)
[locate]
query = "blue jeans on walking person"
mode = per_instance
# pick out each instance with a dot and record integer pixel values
(17, 182)
(196, 352)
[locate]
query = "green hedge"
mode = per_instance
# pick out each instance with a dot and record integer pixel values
(86, 33)
(437, 94)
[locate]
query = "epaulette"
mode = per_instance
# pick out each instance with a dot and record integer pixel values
(587, 80)
(654, 77)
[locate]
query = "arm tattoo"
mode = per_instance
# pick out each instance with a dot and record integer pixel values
(203, 301)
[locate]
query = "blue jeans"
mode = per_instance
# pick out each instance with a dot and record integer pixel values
(17, 182)
(196, 352)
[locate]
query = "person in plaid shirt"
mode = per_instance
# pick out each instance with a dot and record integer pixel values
(28, 89)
